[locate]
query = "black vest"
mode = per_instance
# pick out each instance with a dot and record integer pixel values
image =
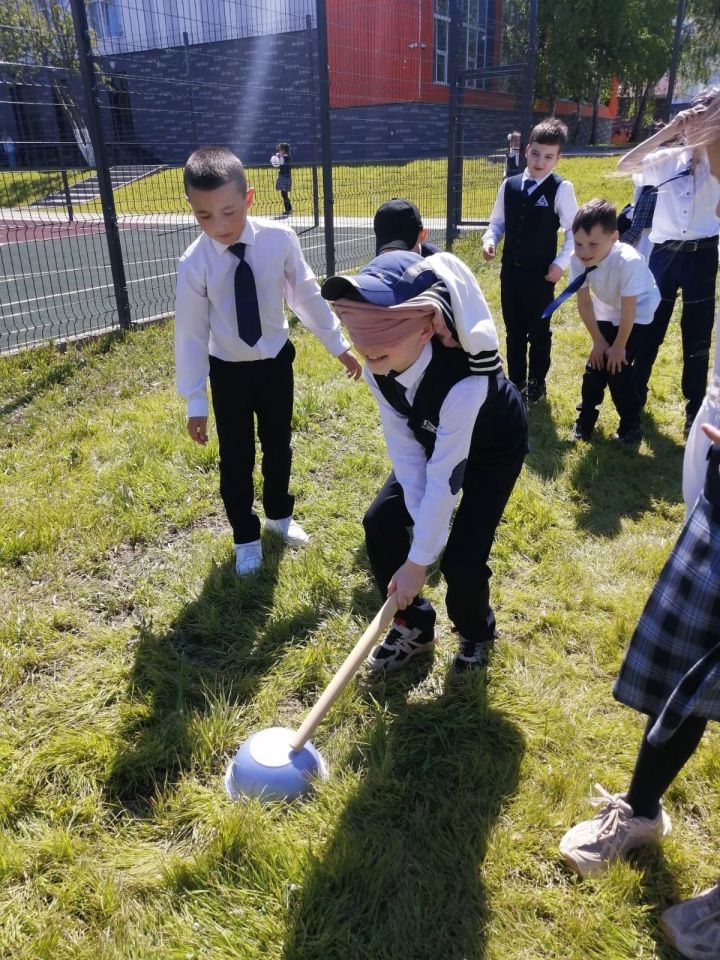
(531, 224)
(446, 368)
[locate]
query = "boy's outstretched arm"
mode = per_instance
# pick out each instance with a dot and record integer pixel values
(408, 581)
(587, 315)
(615, 354)
(197, 428)
(351, 364)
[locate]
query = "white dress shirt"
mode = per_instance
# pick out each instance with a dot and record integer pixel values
(426, 483)
(566, 206)
(685, 208)
(623, 273)
(205, 316)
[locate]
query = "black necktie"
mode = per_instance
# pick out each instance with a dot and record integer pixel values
(569, 290)
(528, 185)
(246, 303)
(394, 392)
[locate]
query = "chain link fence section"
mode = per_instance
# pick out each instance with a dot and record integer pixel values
(101, 101)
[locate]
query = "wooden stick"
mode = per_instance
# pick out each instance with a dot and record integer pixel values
(346, 672)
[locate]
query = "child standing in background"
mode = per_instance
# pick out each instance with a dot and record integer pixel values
(530, 208)
(282, 160)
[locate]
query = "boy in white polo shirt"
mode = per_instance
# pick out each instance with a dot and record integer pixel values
(616, 302)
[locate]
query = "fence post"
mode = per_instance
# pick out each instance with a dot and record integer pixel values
(325, 137)
(68, 197)
(454, 80)
(190, 94)
(92, 95)
(313, 123)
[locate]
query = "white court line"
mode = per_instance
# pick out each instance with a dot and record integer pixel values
(70, 293)
(83, 268)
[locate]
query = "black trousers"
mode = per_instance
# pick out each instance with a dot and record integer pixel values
(285, 194)
(694, 273)
(524, 294)
(487, 485)
(622, 385)
(241, 392)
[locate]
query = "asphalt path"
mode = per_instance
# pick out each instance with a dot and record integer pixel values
(56, 281)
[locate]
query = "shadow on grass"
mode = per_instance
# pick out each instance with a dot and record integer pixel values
(218, 650)
(658, 889)
(401, 874)
(613, 481)
(547, 452)
(60, 370)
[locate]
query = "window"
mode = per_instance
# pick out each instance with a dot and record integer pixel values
(472, 38)
(105, 19)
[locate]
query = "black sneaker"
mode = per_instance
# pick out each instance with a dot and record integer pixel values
(402, 643)
(581, 431)
(629, 435)
(534, 391)
(473, 655)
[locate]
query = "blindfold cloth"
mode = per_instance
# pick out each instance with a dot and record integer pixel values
(373, 326)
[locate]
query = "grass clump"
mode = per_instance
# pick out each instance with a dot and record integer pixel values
(133, 662)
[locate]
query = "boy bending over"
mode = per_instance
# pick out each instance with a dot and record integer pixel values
(454, 428)
(616, 301)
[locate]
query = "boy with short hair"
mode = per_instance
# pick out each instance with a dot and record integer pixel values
(529, 210)
(617, 297)
(230, 326)
(450, 430)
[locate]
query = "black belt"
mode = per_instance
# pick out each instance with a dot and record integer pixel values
(689, 246)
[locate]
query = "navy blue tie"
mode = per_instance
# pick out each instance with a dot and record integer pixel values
(528, 185)
(246, 302)
(569, 290)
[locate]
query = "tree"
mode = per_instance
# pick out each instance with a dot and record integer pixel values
(700, 50)
(39, 38)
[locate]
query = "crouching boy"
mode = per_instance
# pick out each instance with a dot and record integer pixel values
(617, 297)
(454, 428)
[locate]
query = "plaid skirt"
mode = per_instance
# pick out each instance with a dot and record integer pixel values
(284, 181)
(671, 668)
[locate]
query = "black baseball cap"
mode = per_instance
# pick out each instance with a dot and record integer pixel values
(397, 219)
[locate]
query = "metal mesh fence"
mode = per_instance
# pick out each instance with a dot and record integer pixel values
(101, 102)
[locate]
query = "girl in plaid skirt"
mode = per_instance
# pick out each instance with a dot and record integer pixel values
(671, 670)
(283, 161)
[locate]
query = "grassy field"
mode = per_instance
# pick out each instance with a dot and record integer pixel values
(357, 191)
(133, 663)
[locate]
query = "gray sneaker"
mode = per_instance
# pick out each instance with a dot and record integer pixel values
(591, 846)
(472, 655)
(693, 926)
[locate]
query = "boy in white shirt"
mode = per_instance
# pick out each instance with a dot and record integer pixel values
(616, 302)
(230, 326)
(684, 255)
(453, 424)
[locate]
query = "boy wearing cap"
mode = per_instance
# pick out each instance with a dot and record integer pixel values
(529, 210)
(398, 226)
(454, 427)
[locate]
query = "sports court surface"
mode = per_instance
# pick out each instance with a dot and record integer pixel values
(56, 281)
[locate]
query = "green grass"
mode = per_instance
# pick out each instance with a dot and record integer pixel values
(133, 662)
(357, 191)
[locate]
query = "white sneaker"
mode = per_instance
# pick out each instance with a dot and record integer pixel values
(693, 926)
(248, 558)
(290, 530)
(591, 846)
